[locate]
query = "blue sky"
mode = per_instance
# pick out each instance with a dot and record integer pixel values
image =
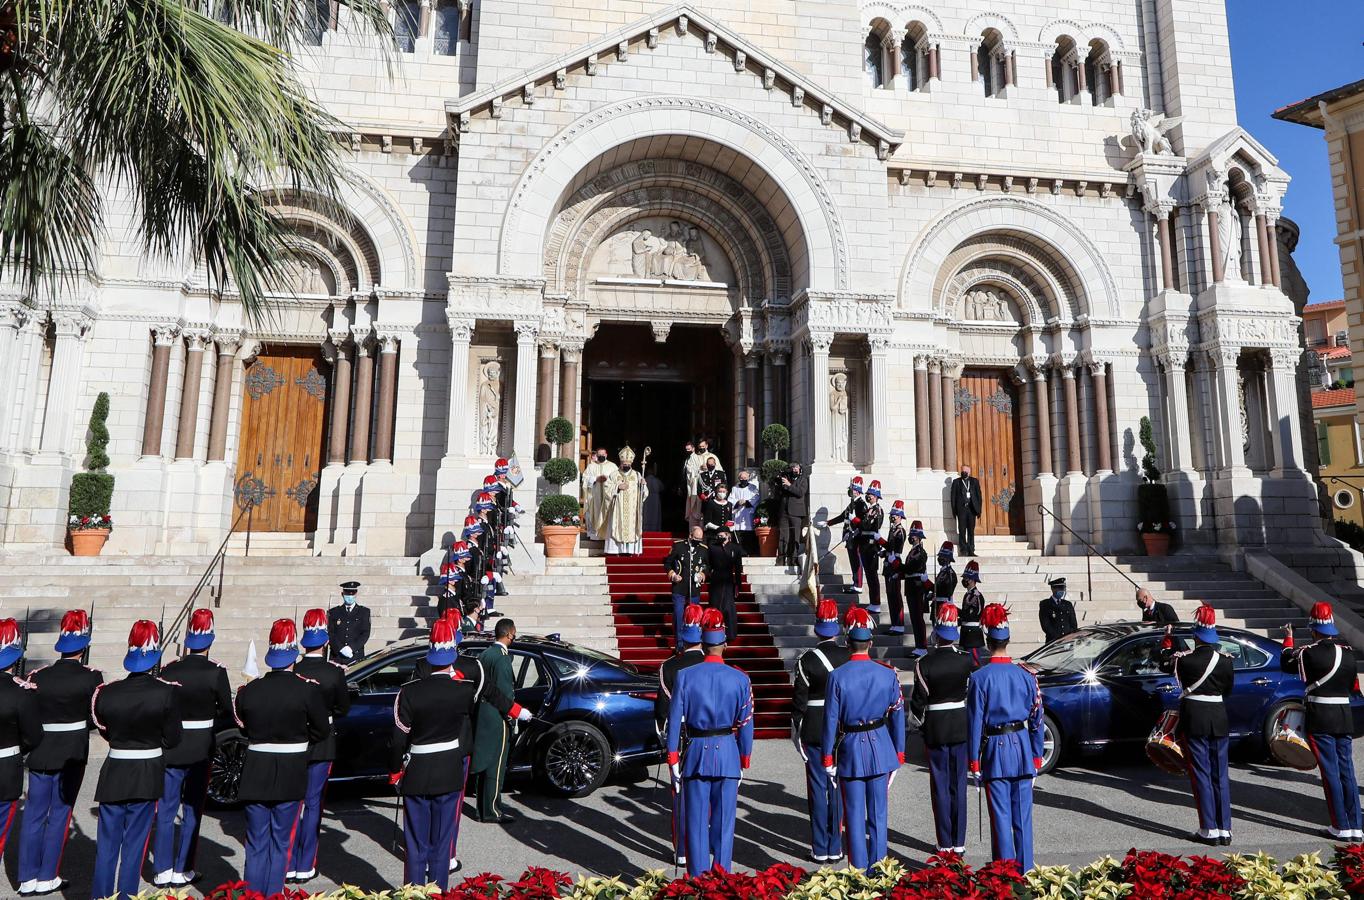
(1279, 57)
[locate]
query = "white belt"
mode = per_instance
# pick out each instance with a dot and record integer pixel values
(7, 752)
(116, 753)
(196, 724)
(64, 726)
(955, 704)
(280, 748)
(1204, 698)
(434, 748)
(814, 702)
(1341, 701)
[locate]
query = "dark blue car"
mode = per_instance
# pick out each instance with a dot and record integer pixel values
(1102, 687)
(594, 714)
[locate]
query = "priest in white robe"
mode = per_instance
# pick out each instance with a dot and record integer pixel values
(625, 492)
(596, 506)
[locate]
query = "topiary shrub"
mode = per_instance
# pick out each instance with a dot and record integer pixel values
(92, 491)
(559, 509)
(1149, 470)
(776, 438)
(772, 468)
(558, 431)
(560, 470)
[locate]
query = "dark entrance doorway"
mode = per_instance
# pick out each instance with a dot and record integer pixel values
(645, 414)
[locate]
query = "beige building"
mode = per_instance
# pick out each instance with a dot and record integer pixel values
(921, 234)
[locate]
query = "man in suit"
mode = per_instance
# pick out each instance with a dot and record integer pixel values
(807, 726)
(139, 718)
(348, 626)
(966, 507)
(331, 681)
(21, 726)
(791, 489)
(1206, 677)
(686, 565)
(492, 736)
(938, 708)
(726, 566)
(1153, 611)
(690, 654)
(1056, 614)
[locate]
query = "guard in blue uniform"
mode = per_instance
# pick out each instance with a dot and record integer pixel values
(331, 681)
(937, 707)
(21, 727)
(807, 725)
(1328, 667)
(139, 718)
(713, 702)
(1004, 740)
(945, 581)
(1206, 677)
(864, 741)
(851, 519)
(56, 767)
(203, 697)
(281, 714)
(690, 655)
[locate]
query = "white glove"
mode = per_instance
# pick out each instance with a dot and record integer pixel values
(524, 715)
(347, 652)
(892, 778)
(832, 772)
(800, 746)
(676, 771)
(973, 778)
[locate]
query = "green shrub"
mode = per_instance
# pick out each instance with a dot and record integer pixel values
(772, 468)
(91, 494)
(559, 509)
(1351, 534)
(1149, 470)
(776, 438)
(92, 491)
(96, 459)
(558, 431)
(560, 470)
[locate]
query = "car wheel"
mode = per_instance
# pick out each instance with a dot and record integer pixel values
(225, 767)
(1267, 730)
(1052, 744)
(575, 759)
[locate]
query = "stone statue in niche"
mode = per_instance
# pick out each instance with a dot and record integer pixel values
(986, 306)
(489, 406)
(838, 414)
(1229, 234)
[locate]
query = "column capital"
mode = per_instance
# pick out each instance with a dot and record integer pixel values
(362, 337)
(527, 331)
(549, 348)
(571, 350)
(778, 357)
(1037, 366)
(952, 368)
(921, 362)
(819, 341)
(229, 342)
(387, 339)
(1173, 359)
(1285, 358)
(878, 344)
(461, 327)
(935, 365)
(72, 323)
(14, 314)
(165, 333)
(196, 339)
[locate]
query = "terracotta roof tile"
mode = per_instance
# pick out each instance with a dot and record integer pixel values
(1337, 397)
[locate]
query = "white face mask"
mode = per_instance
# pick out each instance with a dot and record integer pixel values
(722, 497)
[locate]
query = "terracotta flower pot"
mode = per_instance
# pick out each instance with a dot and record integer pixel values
(560, 540)
(767, 540)
(88, 541)
(1156, 544)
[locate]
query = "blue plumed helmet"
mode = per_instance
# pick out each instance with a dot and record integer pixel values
(283, 651)
(690, 632)
(858, 621)
(144, 646)
(75, 633)
(945, 625)
(199, 635)
(1205, 624)
(995, 618)
(11, 643)
(826, 619)
(314, 629)
(946, 553)
(1321, 619)
(713, 627)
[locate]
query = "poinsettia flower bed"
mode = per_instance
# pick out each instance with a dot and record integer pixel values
(1141, 875)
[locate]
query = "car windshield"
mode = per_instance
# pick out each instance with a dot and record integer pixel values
(1076, 653)
(596, 656)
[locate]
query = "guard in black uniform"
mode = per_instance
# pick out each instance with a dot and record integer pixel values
(725, 561)
(970, 612)
(56, 767)
(945, 581)
(893, 549)
(140, 719)
(937, 707)
(1205, 678)
(331, 680)
(203, 697)
(429, 750)
(1328, 668)
(348, 626)
(807, 727)
(1057, 614)
(690, 654)
(869, 545)
(281, 714)
(21, 727)
(918, 594)
(851, 519)
(686, 565)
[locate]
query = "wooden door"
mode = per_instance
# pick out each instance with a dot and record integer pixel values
(989, 441)
(280, 454)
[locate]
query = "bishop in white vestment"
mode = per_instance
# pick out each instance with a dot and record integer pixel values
(625, 493)
(595, 503)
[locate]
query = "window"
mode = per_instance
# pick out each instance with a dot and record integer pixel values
(1138, 658)
(1347, 376)
(527, 670)
(914, 58)
(1316, 332)
(448, 29)
(1324, 443)
(1344, 499)
(317, 20)
(1065, 73)
(1099, 73)
(873, 62)
(389, 677)
(1243, 656)
(405, 26)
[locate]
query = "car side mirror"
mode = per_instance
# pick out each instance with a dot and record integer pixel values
(1111, 670)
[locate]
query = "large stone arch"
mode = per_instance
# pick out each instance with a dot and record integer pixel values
(1059, 250)
(800, 205)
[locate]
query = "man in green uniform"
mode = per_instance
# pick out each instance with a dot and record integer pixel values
(492, 737)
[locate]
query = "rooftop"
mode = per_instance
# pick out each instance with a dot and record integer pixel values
(1337, 397)
(1308, 112)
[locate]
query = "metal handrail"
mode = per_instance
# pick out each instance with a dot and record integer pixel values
(1345, 479)
(1091, 552)
(218, 564)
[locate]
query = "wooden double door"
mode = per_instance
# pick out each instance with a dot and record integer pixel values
(989, 440)
(280, 451)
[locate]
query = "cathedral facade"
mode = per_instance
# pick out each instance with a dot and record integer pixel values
(922, 236)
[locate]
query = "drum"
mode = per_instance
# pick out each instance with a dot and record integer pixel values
(1162, 747)
(1286, 742)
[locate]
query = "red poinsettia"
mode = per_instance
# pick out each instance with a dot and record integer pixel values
(537, 883)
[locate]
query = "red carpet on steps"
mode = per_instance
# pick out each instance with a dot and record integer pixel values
(641, 600)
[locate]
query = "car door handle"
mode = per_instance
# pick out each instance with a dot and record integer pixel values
(1260, 682)
(1167, 688)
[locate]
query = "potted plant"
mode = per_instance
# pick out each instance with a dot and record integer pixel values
(92, 491)
(559, 433)
(559, 471)
(560, 522)
(1153, 503)
(762, 528)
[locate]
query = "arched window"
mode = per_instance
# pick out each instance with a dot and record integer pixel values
(914, 56)
(317, 21)
(1063, 74)
(406, 24)
(1099, 73)
(449, 28)
(874, 57)
(992, 64)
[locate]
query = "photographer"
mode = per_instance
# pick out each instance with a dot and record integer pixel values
(789, 489)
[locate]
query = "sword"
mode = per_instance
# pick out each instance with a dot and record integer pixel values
(980, 813)
(22, 668)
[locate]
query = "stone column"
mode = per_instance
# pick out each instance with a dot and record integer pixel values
(1177, 425)
(195, 340)
(1098, 373)
(1231, 452)
(544, 384)
(1167, 264)
(388, 395)
(13, 317)
(523, 418)
(163, 337)
(1262, 261)
(30, 346)
(1274, 251)
(340, 412)
(751, 401)
(878, 345)
(923, 436)
(364, 397)
(222, 395)
(63, 389)
(457, 416)
(1074, 461)
(1283, 402)
(781, 388)
(890, 44)
(818, 344)
(935, 408)
(1041, 394)
(951, 373)
(1215, 246)
(569, 355)
(935, 63)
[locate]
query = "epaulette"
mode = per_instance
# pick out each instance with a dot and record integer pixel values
(168, 682)
(24, 683)
(307, 679)
(337, 664)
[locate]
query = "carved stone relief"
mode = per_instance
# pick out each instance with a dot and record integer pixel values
(839, 415)
(986, 305)
(663, 249)
(489, 406)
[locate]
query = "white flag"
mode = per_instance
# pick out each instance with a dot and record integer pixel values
(251, 668)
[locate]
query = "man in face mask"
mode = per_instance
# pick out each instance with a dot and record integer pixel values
(595, 506)
(696, 469)
(348, 626)
(1057, 614)
(744, 500)
(966, 506)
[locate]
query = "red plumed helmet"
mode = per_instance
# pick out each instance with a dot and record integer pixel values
(694, 614)
(1205, 616)
(201, 621)
(712, 620)
(9, 633)
(143, 635)
(994, 616)
(898, 504)
(470, 520)
(453, 618)
(827, 611)
(442, 635)
(857, 617)
(857, 480)
(485, 497)
(489, 479)
(76, 621)
(283, 634)
(501, 463)
(1321, 613)
(314, 618)
(972, 569)
(948, 614)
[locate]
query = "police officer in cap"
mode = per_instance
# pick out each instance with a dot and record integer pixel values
(429, 748)
(690, 655)
(331, 681)
(937, 707)
(714, 703)
(807, 725)
(864, 740)
(203, 696)
(21, 726)
(281, 714)
(348, 626)
(140, 719)
(56, 767)
(1057, 614)
(1004, 740)
(1328, 668)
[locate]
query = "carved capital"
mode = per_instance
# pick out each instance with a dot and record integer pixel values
(229, 342)
(662, 328)
(362, 338)
(387, 339)
(1037, 366)
(819, 342)
(549, 349)
(571, 351)
(461, 328)
(165, 333)
(952, 368)
(921, 362)
(72, 324)
(196, 339)
(1284, 359)
(878, 343)
(526, 331)
(13, 315)
(934, 365)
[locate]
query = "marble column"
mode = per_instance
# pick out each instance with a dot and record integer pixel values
(1263, 266)
(891, 45)
(1215, 245)
(1231, 452)
(340, 398)
(818, 344)
(457, 419)
(364, 397)
(388, 395)
(222, 396)
(781, 388)
(163, 338)
(752, 399)
(1041, 394)
(1074, 461)
(935, 408)
(569, 356)
(951, 375)
(1274, 252)
(13, 317)
(64, 385)
(878, 347)
(922, 435)
(1098, 374)
(195, 341)
(1162, 211)
(544, 393)
(523, 433)
(1283, 401)
(1173, 364)
(935, 63)
(29, 344)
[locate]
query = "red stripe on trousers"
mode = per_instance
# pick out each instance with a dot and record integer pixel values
(1325, 788)
(9, 820)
